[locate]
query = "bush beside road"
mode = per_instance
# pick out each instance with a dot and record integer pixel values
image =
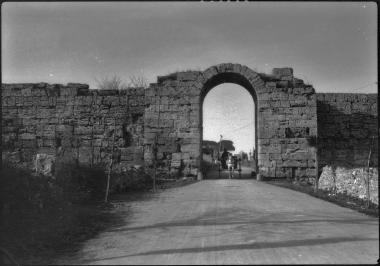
(43, 216)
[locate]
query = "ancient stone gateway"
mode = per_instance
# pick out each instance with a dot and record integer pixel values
(78, 123)
(286, 126)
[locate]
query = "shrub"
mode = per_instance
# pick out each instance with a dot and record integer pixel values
(40, 213)
(130, 180)
(207, 167)
(113, 83)
(80, 183)
(22, 190)
(116, 83)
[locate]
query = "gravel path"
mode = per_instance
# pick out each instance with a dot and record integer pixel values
(233, 221)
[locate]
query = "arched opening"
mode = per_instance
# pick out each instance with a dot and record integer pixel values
(228, 112)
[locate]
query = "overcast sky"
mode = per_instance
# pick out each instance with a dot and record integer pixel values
(223, 115)
(331, 45)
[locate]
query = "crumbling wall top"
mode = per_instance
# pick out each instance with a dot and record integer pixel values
(70, 89)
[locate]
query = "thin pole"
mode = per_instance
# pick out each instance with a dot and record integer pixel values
(111, 162)
(154, 162)
(316, 185)
(368, 179)
(220, 159)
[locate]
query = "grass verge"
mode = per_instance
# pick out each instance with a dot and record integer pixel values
(340, 199)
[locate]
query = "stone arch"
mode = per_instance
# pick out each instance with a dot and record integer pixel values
(286, 111)
(229, 73)
(234, 73)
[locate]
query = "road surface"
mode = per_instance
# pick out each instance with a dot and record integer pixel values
(234, 221)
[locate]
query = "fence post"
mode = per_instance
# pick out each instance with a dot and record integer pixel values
(111, 162)
(368, 178)
(316, 185)
(154, 162)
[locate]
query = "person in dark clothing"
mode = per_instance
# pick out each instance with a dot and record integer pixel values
(224, 159)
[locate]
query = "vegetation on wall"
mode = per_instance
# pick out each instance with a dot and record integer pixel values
(116, 83)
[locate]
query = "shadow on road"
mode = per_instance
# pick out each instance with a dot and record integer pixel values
(258, 245)
(232, 217)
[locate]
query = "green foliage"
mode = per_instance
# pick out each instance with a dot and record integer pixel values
(15, 188)
(113, 83)
(42, 213)
(207, 167)
(80, 183)
(71, 184)
(342, 199)
(131, 180)
(24, 191)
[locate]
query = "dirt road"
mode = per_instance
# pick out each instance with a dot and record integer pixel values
(234, 222)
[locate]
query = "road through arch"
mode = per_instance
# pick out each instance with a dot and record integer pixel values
(231, 74)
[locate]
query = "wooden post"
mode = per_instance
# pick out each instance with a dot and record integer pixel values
(316, 185)
(111, 163)
(368, 178)
(219, 158)
(239, 165)
(154, 162)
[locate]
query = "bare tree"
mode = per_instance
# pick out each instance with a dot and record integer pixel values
(116, 83)
(138, 81)
(113, 83)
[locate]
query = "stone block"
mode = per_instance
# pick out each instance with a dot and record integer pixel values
(189, 148)
(282, 172)
(83, 130)
(297, 155)
(27, 136)
(271, 86)
(48, 142)
(271, 148)
(8, 101)
(85, 155)
(274, 156)
(294, 163)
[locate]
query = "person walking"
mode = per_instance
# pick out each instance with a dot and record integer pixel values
(230, 165)
(224, 159)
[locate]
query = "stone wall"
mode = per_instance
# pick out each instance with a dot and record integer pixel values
(76, 123)
(287, 127)
(72, 122)
(172, 119)
(285, 110)
(351, 181)
(346, 124)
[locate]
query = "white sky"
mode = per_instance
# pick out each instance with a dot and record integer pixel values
(332, 45)
(223, 115)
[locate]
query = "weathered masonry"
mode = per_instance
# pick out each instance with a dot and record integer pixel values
(73, 122)
(296, 128)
